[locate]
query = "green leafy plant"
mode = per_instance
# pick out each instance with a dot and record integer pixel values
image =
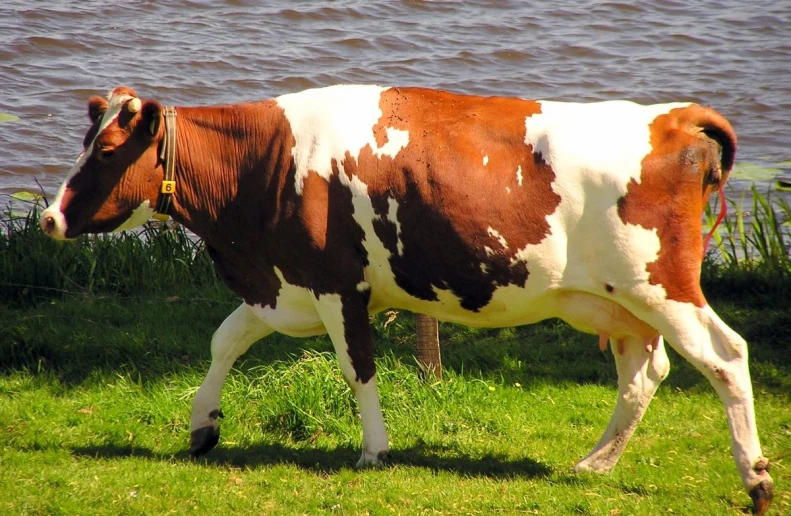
(757, 238)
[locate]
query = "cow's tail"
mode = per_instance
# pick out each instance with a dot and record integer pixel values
(714, 126)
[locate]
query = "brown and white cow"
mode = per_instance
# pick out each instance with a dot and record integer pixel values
(322, 207)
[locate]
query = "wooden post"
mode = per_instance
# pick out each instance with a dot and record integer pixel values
(428, 355)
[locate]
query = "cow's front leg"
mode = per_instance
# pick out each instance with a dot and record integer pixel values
(345, 316)
(232, 338)
(639, 375)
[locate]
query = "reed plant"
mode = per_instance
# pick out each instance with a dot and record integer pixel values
(751, 249)
(157, 259)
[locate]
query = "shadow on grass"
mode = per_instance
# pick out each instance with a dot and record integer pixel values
(332, 461)
(147, 340)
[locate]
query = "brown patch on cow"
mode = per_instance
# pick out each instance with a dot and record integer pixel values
(248, 211)
(447, 200)
(357, 333)
(324, 252)
(722, 375)
(236, 190)
(676, 180)
(315, 194)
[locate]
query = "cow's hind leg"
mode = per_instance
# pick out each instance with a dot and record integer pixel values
(234, 336)
(345, 317)
(639, 375)
(701, 337)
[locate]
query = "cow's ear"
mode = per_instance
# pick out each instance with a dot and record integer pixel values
(96, 108)
(151, 114)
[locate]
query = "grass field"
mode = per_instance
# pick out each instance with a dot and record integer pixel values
(99, 363)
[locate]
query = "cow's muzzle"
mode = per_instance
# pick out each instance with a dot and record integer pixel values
(53, 223)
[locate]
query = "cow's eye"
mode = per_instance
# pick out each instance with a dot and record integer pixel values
(106, 153)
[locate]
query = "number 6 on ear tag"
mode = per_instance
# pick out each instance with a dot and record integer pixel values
(168, 187)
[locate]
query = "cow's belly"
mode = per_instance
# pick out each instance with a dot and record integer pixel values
(294, 313)
(509, 306)
(515, 306)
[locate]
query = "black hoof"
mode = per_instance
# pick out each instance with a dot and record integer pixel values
(203, 439)
(762, 495)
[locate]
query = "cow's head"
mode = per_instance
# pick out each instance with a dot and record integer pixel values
(115, 182)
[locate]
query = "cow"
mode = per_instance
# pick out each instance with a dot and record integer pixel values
(321, 207)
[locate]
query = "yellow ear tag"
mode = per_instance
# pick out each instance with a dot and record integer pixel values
(161, 216)
(168, 187)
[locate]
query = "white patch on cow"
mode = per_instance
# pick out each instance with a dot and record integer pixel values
(599, 140)
(519, 175)
(595, 150)
(489, 251)
(139, 216)
(375, 441)
(639, 375)
(364, 213)
(328, 123)
(500, 238)
(397, 139)
(114, 106)
(353, 183)
(485, 160)
(56, 230)
(363, 286)
(392, 216)
(81, 159)
(378, 271)
(232, 339)
(484, 268)
(507, 189)
(295, 313)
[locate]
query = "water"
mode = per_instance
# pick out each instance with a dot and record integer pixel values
(730, 54)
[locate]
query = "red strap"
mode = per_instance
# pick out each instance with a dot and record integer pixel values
(723, 211)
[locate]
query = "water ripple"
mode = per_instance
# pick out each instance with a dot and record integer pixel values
(728, 54)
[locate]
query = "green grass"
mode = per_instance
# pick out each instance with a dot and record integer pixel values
(96, 417)
(102, 347)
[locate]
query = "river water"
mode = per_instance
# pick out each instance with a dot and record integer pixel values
(731, 54)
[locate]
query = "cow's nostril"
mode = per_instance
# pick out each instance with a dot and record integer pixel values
(48, 224)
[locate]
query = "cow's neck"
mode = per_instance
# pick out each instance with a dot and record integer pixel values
(227, 165)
